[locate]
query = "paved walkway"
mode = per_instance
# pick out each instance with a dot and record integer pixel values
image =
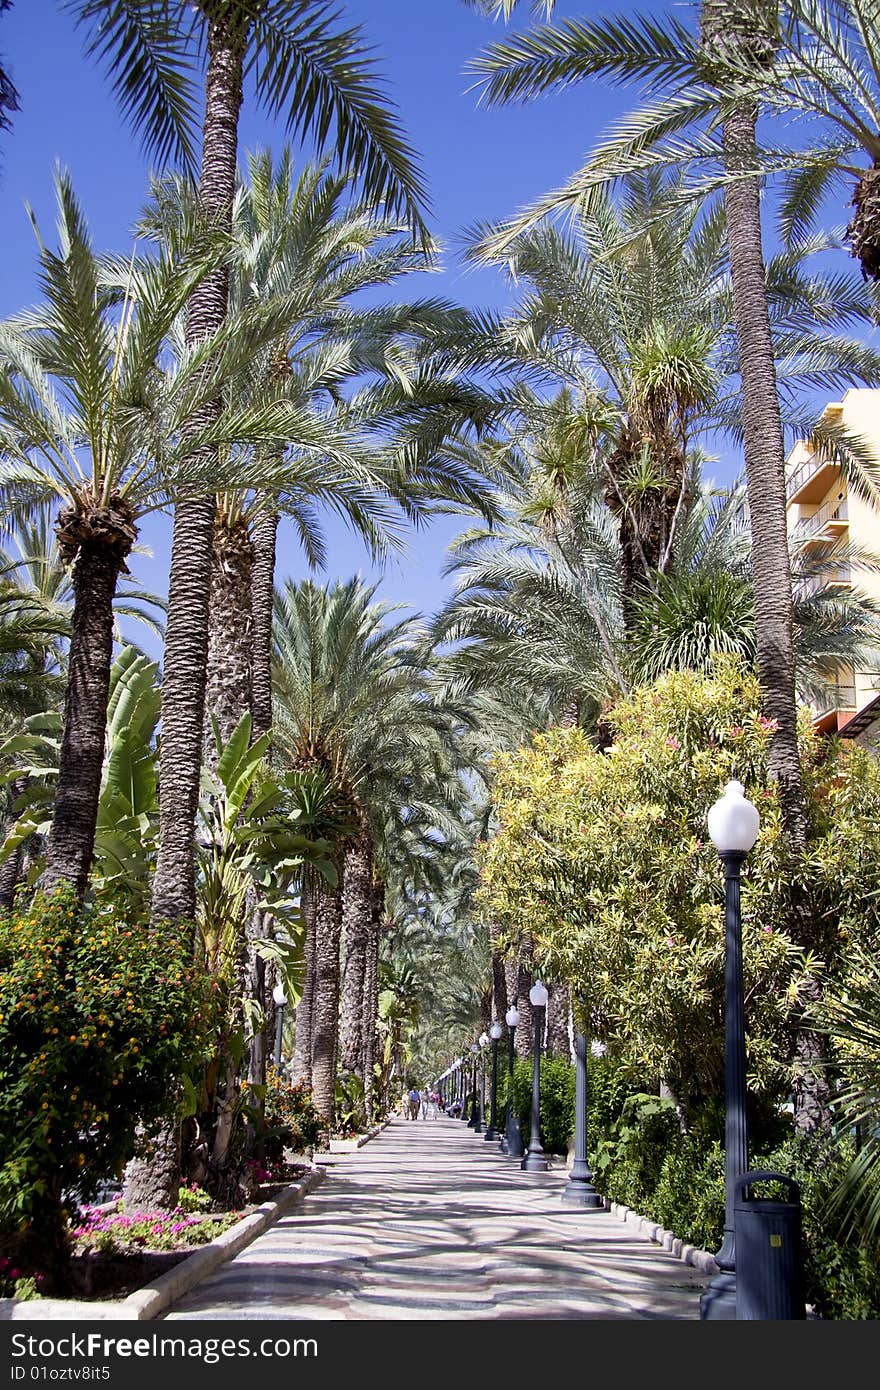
(428, 1220)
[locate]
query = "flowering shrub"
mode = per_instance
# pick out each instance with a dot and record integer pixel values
(604, 858)
(291, 1118)
(112, 1232)
(99, 1018)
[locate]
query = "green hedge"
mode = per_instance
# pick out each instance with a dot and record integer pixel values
(641, 1159)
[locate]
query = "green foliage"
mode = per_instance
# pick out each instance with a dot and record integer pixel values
(193, 1198)
(291, 1118)
(603, 858)
(99, 1017)
(348, 1109)
(645, 1162)
(630, 1154)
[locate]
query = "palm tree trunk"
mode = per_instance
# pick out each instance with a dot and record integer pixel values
(765, 472)
(264, 536)
(186, 635)
(558, 1010)
(524, 982)
(10, 869)
(771, 575)
(230, 632)
(370, 1002)
(765, 477)
(357, 911)
(301, 1062)
(152, 1178)
(325, 1002)
(499, 978)
(72, 837)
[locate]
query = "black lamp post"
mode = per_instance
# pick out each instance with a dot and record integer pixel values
(511, 1139)
(472, 1122)
(492, 1128)
(733, 828)
(465, 1074)
(579, 1190)
(280, 999)
(535, 1160)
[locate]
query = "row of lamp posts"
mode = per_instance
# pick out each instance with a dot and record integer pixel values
(733, 828)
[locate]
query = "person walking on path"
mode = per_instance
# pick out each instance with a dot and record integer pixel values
(425, 1101)
(414, 1100)
(433, 1105)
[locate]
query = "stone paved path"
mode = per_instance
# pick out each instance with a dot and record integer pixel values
(428, 1220)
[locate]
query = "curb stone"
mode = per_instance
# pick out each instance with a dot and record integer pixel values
(688, 1254)
(146, 1303)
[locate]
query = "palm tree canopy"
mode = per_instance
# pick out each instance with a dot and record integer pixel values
(311, 72)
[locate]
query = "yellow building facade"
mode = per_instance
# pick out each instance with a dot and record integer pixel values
(822, 513)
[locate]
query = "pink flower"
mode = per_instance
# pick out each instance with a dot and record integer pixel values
(673, 743)
(670, 941)
(768, 928)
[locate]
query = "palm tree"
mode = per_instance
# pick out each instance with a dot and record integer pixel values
(87, 419)
(91, 418)
(8, 94)
(319, 80)
(721, 74)
(353, 697)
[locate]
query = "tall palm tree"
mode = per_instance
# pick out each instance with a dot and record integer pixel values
(353, 697)
(704, 76)
(316, 77)
(91, 420)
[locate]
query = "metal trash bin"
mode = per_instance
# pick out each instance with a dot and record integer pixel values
(769, 1252)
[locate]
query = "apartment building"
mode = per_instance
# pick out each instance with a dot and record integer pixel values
(822, 513)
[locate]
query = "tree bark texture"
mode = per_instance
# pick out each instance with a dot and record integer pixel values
(765, 472)
(230, 634)
(558, 1033)
(186, 634)
(771, 573)
(524, 982)
(71, 839)
(264, 535)
(11, 868)
(357, 912)
(370, 1004)
(325, 1002)
(301, 1063)
(152, 1177)
(499, 979)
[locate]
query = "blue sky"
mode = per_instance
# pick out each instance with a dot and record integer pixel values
(480, 164)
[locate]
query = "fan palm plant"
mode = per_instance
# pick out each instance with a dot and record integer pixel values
(92, 420)
(318, 78)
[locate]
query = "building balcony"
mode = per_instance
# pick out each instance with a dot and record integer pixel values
(827, 524)
(811, 479)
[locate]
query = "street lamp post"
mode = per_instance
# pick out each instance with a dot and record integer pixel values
(472, 1122)
(280, 999)
(579, 1190)
(535, 1160)
(492, 1128)
(511, 1140)
(465, 1078)
(733, 828)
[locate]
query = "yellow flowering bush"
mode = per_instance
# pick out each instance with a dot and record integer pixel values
(99, 1019)
(604, 857)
